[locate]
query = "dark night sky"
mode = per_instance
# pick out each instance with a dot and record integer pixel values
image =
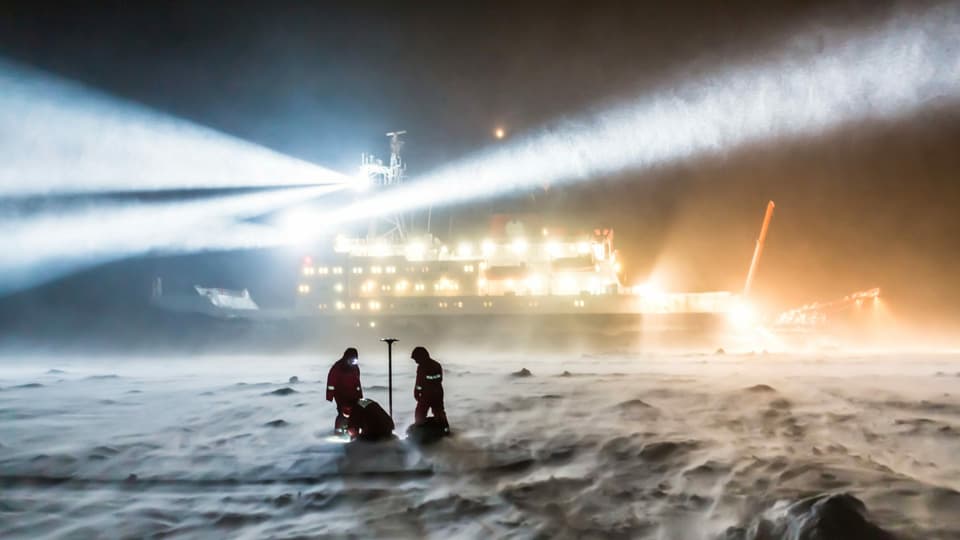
(868, 205)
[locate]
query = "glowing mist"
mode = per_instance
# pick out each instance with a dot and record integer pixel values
(61, 137)
(887, 73)
(44, 247)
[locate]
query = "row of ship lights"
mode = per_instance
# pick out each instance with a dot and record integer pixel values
(338, 270)
(519, 246)
(375, 305)
(416, 250)
(567, 285)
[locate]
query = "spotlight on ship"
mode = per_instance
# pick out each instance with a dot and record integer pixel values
(489, 247)
(650, 288)
(742, 315)
(416, 250)
(465, 249)
(519, 246)
(363, 180)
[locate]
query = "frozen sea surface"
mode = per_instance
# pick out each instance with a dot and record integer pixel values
(607, 446)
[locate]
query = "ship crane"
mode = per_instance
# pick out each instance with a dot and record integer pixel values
(818, 312)
(758, 249)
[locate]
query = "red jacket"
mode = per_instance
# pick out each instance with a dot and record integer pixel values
(429, 385)
(343, 382)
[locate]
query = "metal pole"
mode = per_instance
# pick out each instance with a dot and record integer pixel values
(390, 342)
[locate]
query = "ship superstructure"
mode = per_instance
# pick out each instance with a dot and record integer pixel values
(523, 281)
(515, 272)
(520, 268)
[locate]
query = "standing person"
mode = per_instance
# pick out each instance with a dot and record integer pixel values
(428, 390)
(343, 385)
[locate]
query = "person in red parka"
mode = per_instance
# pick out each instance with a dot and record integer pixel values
(343, 385)
(428, 390)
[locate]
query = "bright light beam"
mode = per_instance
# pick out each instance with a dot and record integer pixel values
(891, 72)
(60, 137)
(40, 248)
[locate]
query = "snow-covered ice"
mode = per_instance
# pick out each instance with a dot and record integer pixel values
(606, 446)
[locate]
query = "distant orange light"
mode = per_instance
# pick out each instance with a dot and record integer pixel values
(499, 133)
(742, 315)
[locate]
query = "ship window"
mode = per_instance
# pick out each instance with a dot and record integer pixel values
(376, 270)
(337, 270)
(391, 269)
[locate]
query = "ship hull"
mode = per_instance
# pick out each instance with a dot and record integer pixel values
(593, 332)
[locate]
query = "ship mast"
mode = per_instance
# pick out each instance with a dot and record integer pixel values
(381, 176)
(397, 167)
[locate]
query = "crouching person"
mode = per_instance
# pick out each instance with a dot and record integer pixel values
(367, 421)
